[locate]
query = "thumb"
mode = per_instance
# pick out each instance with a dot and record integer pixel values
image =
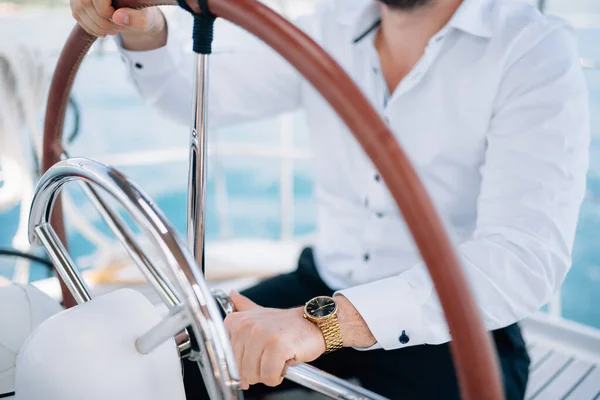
(242, 303)
(136, 20)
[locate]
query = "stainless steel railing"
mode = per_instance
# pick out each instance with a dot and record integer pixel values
(217, 362)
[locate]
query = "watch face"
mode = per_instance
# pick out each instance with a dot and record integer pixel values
(320, 307)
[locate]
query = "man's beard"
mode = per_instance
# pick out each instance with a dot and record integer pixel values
(405, 4)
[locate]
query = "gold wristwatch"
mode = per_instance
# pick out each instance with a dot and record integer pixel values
(322, 311)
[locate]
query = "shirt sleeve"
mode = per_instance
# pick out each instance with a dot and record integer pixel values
(533, 184)
(244, 84)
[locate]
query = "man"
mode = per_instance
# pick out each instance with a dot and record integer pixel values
(489, 102)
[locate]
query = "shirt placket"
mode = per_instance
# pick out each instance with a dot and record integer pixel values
(373, 184)
(376, 197)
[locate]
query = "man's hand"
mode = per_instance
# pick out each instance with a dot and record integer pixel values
(144, 29)
(266, 340)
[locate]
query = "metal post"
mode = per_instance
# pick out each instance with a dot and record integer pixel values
(331, 386)
(118, 226)
(196, 207)
(63, 263)
(175, 322)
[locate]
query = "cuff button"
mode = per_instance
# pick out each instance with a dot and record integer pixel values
(404, 338)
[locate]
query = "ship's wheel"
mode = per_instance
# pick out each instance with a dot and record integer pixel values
(182, 285)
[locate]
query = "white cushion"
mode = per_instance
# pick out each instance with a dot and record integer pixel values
(88, 352)
(22, 309)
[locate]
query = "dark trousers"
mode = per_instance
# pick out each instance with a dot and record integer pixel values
(417, 372)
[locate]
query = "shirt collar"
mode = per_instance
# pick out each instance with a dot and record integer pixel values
(473, 17)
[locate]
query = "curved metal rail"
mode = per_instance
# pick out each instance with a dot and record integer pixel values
(477, 366)
(217, 364)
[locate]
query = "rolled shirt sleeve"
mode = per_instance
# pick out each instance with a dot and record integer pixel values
(533, 184)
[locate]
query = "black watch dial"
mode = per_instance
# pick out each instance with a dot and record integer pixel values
(320, 307)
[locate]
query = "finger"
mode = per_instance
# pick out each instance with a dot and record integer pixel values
(239, 352)
(104, 8)
(289, 363)
(271, 366)
(136, 20)
(242, 303)
(103, 25)
(237, 345)
(78, 12)
(253, 352)
(88, 25)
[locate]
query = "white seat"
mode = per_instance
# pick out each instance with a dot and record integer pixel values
(88, 352)
(22, 309)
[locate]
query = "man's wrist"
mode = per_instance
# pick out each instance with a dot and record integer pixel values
(355, 331)
(313, 330)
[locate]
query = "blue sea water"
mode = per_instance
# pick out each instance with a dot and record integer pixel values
(116, 120)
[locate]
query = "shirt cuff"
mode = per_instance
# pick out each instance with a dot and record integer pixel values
(155, 62)
(392, 311)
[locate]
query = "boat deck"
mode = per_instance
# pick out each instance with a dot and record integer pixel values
(557, 375)
(554, 375)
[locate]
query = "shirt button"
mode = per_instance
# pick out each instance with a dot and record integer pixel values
(375, 70)
(366, 256)
(377, 177)
(366, 202)
(139, 66)
(404, 338)
(379, 215)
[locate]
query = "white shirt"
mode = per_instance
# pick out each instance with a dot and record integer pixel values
(494, 118)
